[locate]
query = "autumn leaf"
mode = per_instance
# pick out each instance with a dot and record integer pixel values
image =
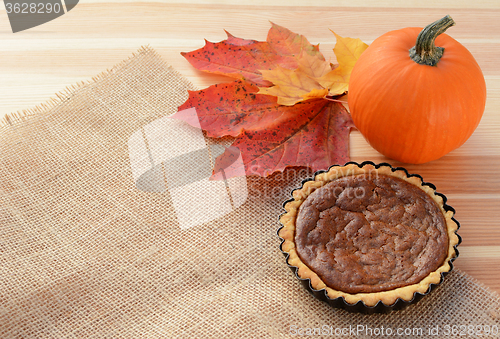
(277, 109)
(313, 66)
(228, 109)
(314, 77)
(312, 133)
(291, 87)
(347, 51)
(270, 137)
(243, 59)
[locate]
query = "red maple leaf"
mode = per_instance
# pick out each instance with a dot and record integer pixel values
(269, 136)
(229, 109)
(242, 59)
(310, 134)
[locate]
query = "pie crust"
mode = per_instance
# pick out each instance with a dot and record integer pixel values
(291, 246)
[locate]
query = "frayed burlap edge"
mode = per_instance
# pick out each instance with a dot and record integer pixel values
(21, 116)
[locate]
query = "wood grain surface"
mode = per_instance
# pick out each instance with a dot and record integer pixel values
(39, 62)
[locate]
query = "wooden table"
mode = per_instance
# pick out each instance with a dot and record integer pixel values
(95, 35)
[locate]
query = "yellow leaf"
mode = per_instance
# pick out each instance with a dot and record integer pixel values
(347, 51)
(292, 86)
(316, 93)
(313, 65)
(314, 77)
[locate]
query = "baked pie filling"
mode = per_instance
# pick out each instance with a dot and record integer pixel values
(369, 234)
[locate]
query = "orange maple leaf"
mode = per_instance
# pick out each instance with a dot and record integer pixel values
(314, 77)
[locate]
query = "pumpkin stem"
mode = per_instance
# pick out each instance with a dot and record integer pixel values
(425, 52)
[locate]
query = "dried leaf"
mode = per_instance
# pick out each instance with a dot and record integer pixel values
(288, 124)
(314, 66)
(312, 133)
(243, 59)
(270, 136)
(229, 108)
(291, 86)
(347, 51)
(314, 77)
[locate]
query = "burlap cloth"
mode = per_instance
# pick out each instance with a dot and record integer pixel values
(86, 253)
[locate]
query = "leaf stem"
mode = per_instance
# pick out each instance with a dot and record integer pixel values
(335, 100)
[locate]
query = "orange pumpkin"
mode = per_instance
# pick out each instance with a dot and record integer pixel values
(415, 102)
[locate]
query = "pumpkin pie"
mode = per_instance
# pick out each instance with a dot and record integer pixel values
(369, 234)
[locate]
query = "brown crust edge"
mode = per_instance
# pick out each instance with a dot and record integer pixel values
(405, 293)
